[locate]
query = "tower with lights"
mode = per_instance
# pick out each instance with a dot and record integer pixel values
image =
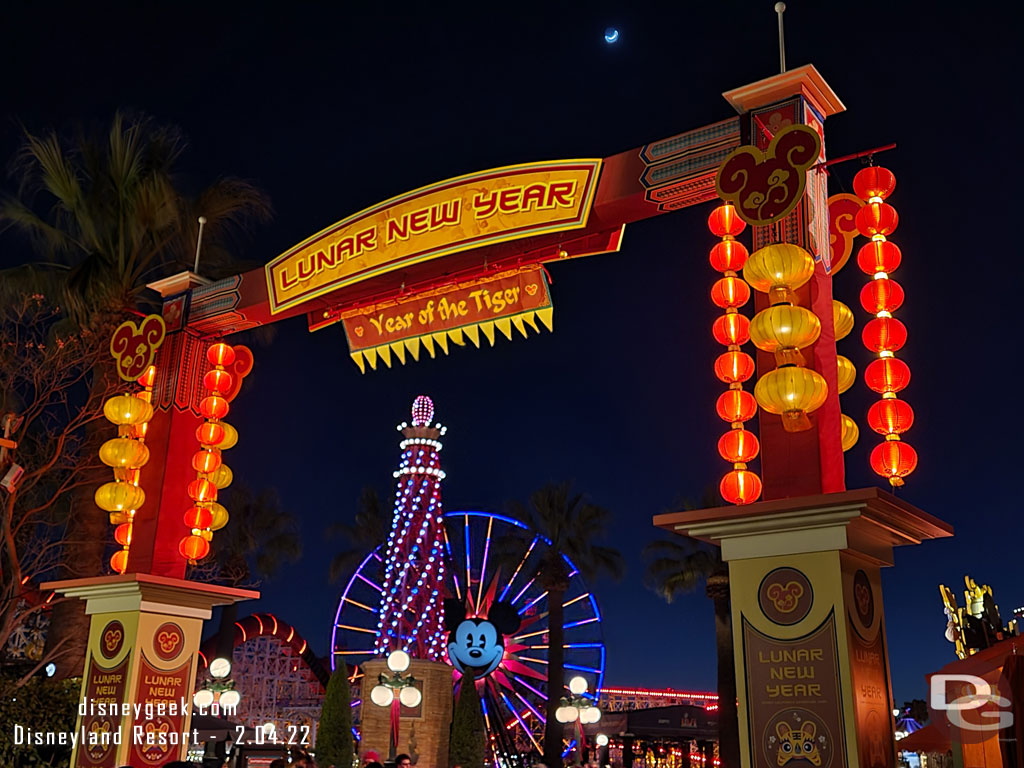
(411, 608)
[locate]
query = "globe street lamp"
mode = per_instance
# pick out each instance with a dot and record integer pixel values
(396, 691)
(577, 707)
(220, 689)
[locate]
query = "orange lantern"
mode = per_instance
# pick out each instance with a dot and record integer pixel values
(890, 416)
(220, 354)
(217, 380)
(730, 293)
(887, 375)
(119, 561)
(732, 328)
(723, 221)
(729, 256)
(206, 461)
(734, 367)
(874, 181)
(210, 433)
(879, 256)
(884, 334)
(893, 460)
(740, 486)
(738, 446)
(148, 378)
(736, 405)
(198, 517)
(877, 219)
(194, 548)
(123, 534)
(213, 407)
(881, 295)
(201, 489)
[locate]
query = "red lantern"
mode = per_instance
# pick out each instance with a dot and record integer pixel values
(732, 328)
(887, 374)
(119, 561)
(882, 295)
(723, 222)
(879, 256)
(874, 181)
(890, 416)
(217, 380)
(206, 461)
(884, 334)
(732, 367)
(198, 517)
(730, 292)
(740, 486)
(210, 433)
(877, 219)
(202, 489)
(194, 547)
(220, 354)
(123, 534)
(147, 379)
(729, 256)
(738, 445)
(213, 407)
(736, 405)
(893, 459)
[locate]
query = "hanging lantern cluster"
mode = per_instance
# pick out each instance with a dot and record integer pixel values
(733, 367)
(206, 515)
(842, 323)
(126, 454)
(884, 334)
(784, 329)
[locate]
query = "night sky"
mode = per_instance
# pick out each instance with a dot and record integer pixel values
(331, 111)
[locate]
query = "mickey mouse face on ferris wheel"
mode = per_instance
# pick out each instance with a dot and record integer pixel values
(476, 646)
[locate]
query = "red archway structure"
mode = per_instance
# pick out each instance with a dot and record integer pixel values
(268, 625)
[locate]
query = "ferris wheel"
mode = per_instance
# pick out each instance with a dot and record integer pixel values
(514, 694)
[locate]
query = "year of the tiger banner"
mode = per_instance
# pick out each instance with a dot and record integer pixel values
(505, 301)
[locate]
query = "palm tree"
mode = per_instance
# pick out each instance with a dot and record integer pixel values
(365, 533)
(570, 523)
(678, 566)
(104, 217)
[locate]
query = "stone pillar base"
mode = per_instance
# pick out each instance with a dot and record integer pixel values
(423, 731)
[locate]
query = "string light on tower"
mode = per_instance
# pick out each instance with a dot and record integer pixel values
(884, 334)
(126, 454)
(411, 616)
(735, 406)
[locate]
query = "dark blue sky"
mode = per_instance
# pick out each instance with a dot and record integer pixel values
(334, 110)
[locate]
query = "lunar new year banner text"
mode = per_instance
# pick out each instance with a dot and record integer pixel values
(454, 313)
(447, 217)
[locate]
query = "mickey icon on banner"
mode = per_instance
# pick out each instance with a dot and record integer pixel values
(476, 646)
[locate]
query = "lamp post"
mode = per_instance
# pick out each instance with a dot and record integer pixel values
(578, 708)
(384, 694)
(220, 689)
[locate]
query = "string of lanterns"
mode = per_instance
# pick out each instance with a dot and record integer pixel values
(846, 375)
(212, 474)
(733, 367)
(792, 390)
(126, 454)
(884, 334)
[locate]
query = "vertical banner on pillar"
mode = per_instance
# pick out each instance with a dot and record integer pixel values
(872, 701)
(793, 694)
(162, 692)
(103, 690)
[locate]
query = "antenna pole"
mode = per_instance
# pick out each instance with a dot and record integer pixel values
(199, 240)
(780, 9)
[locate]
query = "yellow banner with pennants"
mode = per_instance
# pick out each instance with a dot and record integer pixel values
(448, 217)
(508, 300)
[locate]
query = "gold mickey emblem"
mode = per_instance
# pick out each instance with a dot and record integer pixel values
(134, 346)
(111, 638)
(359, 331)
(168, 640)
(531, 289)
(785, 597)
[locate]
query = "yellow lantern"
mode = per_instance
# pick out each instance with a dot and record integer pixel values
(124, 453)
(784, 327)
(230, 436)
(842, 319)
(119, 497)
(222, 477)
(127, 409)
(847, 373)
(850, 432)
(778, 269)
(792, 393)
(220, 516)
